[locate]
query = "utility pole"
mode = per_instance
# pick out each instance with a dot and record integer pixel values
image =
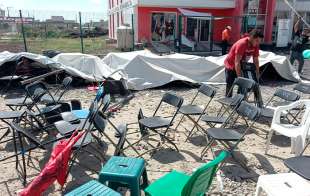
(81, 32)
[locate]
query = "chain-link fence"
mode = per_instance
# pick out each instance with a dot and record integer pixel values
(54, 30)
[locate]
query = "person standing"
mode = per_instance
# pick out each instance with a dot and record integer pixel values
(298, 46)
(241, 52)
(225, 39)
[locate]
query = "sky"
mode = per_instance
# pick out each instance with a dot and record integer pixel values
(43, 9)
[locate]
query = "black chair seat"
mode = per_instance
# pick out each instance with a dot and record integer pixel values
(191, 110)
(18, 102)
(224, 134)
(267, 112)
(226, 100)
(49, 109)
(65, 128)
(213, 119)
(10, 114)
(70, 117)
(155, 122)
(47, 99)
(299, 165)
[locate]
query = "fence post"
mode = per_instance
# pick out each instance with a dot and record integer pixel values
(81, 33)
(23, 30)
(133, 33)
(45, 30)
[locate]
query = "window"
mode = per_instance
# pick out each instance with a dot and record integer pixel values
(163, 26)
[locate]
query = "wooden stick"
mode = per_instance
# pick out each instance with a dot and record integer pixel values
(41, 76)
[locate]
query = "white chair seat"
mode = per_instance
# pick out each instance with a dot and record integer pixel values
(284, 184)
(288, 130)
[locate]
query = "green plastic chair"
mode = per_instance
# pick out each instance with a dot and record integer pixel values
(180, 184)
(306, 54)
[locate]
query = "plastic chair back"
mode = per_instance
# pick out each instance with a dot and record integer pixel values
(249, 111)
(286, 95)
(207, 90)
(201, 179)
(172, 99)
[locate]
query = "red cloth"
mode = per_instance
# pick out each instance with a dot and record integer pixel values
(242, 48)
(55, 169)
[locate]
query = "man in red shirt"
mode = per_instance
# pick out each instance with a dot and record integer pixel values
(240, 52)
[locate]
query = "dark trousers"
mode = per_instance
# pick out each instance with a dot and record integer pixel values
(230, 75)
(299, 57)
(224, 47)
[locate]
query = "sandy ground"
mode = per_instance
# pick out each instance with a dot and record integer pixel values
(236, 181)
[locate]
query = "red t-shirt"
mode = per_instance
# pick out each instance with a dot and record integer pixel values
(242, 48)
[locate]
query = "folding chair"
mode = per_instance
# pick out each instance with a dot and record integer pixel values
(225, 136)
(191, 110)
(158, 125)
(303, 88)
(212, 120)
(285, 97)
(177, 183)
(71, 122)
(245, 86)
(298, 133)
(300, 164)
(60, 91)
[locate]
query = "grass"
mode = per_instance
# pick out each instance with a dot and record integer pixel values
(95, 46)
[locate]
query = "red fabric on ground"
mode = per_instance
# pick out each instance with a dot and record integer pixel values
(55, 169)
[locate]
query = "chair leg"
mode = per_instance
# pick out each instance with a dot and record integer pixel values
(24, 172)
(259, 190)
(268, 140)
(204, 151)
(135, 189)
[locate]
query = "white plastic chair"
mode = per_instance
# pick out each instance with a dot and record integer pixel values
(297, 133)
(283, 184)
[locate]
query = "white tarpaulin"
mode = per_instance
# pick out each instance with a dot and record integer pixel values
(147, 70)
(144, 69)
(86, 66)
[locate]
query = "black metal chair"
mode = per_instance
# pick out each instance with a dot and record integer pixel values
(300, 164)
(245, 87)
(60, 91)
(229, 137)
(191, 110)
(284, 97)
(302, 88)
(158, 126)
(220, 118)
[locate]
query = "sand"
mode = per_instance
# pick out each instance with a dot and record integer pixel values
(236, 181)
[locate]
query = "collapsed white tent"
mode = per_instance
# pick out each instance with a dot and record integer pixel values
(144, 70)
(147, 70)
(86, 66)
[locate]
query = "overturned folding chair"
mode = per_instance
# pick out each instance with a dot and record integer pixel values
(230, 137)
(191, 110)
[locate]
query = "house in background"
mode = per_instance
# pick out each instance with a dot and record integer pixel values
(195, 20)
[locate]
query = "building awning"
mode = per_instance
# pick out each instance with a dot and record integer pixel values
(193, 14)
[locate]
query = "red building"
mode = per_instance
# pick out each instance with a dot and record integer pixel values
(198, 20)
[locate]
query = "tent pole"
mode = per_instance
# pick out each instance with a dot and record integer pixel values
(81, 32)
